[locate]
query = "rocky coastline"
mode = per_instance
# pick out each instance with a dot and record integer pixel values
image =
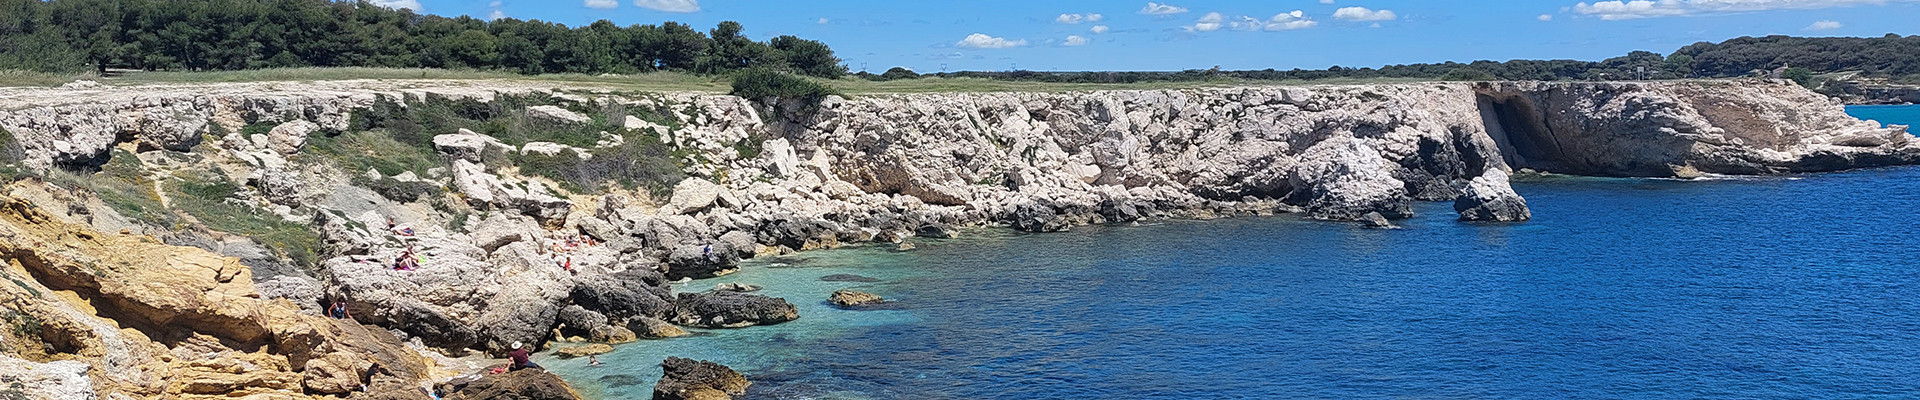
(496, 254)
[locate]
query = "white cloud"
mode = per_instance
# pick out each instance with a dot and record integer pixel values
(1099, 29)
(497, 15)
(1364, 14)
(494, 4)
(399, 4)
(603, 4)
(1208, 23)
(1621, 10)
(1280, 22)
(1162, 9)
(1544, 17)
(1075, 40)
(824, 20)
(1326, 1)
(1290, 21)
(1824, 25)
(1078, 18)
(982, 41)
(672, 6)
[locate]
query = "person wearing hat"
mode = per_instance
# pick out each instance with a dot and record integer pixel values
(521, 360)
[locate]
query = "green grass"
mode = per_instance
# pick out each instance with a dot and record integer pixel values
(356, 152)
(123, 185)
(204, 197)
(19, 78)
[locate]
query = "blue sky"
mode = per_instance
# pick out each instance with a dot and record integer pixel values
(1236, 34)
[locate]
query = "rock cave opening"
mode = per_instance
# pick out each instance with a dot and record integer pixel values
(1520, 128)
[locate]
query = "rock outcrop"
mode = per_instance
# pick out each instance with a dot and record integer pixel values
(725, 309)
(853, 298)
(526, 384)
(1489, 198)
(141, 319)
(686, 379)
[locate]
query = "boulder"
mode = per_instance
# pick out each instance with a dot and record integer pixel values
(636, 124)
(935, 230)
(550, 149)
(692, 195)
(558, 115)
(854, 298)
(1344, 178)
(289, 137)
(526, 384)
(1489, 198)
(628, 294)
(583, 351)
(467, 145)
(687, 379)
(800, 233)
(742, 243)
(578, 319)
(1375, 220)
(612, 334)
(737, 287)
(1036, 217)
(335, 373)
(654, 328)
(731, 310)
(702, 261)
(501, 230)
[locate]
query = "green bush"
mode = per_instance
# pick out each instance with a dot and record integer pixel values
(642, 162)
(759, 84)
(1467, 75)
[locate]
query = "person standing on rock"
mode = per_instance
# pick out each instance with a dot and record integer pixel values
(520, 358)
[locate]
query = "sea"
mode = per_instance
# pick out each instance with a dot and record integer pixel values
(1788, 287)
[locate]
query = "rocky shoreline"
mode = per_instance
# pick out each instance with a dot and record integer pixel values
(496, 254)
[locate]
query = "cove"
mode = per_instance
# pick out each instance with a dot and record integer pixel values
(1778, 287)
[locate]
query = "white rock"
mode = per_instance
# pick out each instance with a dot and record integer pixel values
(557, 114)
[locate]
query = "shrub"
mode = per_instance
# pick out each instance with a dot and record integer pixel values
(898, 73)
(1467, 74)
(763, 83)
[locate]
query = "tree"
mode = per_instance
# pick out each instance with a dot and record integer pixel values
(898, 73)
(809, 57)
(1802, 76)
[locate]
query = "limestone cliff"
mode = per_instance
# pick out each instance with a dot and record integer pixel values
(117, 316)
(483, 227)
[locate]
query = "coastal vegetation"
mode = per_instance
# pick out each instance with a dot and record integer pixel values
(67, 36)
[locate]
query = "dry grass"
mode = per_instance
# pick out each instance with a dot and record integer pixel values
(18, 78)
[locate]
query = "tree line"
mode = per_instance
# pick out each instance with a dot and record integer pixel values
(206, 35)
(1892, 57)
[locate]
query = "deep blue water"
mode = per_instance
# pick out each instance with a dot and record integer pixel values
(1782, 287)
(1901, 115)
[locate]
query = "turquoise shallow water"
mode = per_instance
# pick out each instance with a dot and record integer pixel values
(1782, 287)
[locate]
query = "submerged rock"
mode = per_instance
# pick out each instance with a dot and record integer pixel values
(736, 287)
(1489, 198)
(853, 298)
(731, 310)
(583, 351)
(1377, 221)
(686, 379)
(848, 278)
